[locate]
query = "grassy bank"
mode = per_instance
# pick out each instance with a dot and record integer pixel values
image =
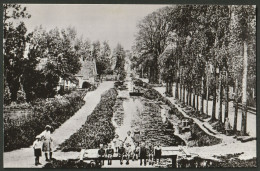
(197, 136)
(21, 131)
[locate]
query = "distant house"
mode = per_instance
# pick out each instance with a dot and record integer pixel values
(87, 73)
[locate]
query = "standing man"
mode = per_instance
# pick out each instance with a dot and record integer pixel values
(47, 142)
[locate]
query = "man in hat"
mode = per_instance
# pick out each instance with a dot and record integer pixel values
(37, 146)
(47, 142)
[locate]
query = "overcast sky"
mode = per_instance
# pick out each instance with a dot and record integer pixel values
(115, 23)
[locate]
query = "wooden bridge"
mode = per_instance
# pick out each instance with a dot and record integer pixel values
(167, 152)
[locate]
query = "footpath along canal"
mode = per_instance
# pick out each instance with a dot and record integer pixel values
(24, 158)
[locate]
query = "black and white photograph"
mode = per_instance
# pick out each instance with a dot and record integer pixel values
(129, 86)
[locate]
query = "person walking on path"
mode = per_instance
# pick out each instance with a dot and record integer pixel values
(227, 126)
(37, 146)
(47, 142)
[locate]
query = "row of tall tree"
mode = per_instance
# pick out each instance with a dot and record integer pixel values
(204, 49)
(34, 62)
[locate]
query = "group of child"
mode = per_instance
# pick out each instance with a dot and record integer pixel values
(43, 143)
(128, 149)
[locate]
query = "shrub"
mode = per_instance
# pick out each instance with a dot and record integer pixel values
(21, 132)
(21, 96)
(98, 127)
(7, 95)
(201, 138)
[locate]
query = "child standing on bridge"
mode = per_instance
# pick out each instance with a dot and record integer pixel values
(121, 153)
(150, 153)
(101, 153)
(128, 152)
(136, 151)
(157, 152)
(110, 153)
(116, 143)
(143, 154)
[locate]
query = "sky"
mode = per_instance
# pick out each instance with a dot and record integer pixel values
(114, 23)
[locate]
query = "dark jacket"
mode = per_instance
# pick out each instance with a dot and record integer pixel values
(121, 150)
(101, 152)
(110, 151)
(143, 152)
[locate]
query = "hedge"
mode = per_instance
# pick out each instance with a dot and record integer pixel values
(98, 127)
(21, 132)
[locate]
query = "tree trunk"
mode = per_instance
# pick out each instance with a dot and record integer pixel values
(220, 100)
(166, 88)
(180, 97)
(213, 116)
(187, 95)
(236, 106)
(197, 94)
(183, 96)
(207, 96)
(193, 101)
(176, 90)
(244, 92)
(190, 92)
(226, 96)
(170, 89)
(201, 96)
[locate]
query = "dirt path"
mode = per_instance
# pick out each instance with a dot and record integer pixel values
(23, 158)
